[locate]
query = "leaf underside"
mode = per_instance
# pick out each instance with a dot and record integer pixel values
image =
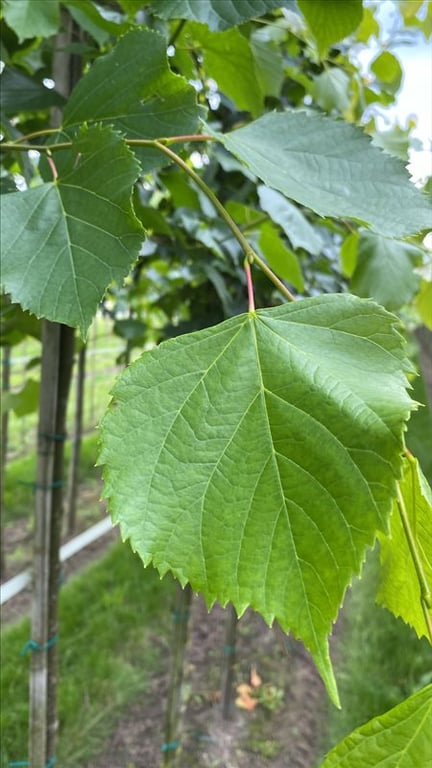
(264, 456)
(217, 14)
(332, 168)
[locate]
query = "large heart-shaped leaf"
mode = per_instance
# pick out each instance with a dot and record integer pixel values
(256, 459)
(332, 168)
(401, 738)
(133, 89)
(64, 242)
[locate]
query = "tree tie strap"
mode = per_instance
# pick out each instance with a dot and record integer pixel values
(180, 615)
(171, 745)
(57, 437)
(42, 486)
(229, 650)
(25, 763)
(33, 645)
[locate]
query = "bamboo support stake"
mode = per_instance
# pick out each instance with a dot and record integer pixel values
(229, 661)
(76, 442)
(38, 728)
(181, 624)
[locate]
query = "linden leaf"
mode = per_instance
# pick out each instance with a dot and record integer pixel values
(65, 241)
(332, 168)
(257, 459)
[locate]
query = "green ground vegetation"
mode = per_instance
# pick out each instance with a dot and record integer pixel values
(20, 476)
(102, 365)
(115, 622)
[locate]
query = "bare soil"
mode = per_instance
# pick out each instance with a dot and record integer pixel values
(283, 732)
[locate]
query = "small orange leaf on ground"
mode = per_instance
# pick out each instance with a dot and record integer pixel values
(244, 700)
(255, 678)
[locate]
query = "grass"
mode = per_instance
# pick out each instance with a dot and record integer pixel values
(101, 369)
(112, 619)
(21, 473)
(380, 661)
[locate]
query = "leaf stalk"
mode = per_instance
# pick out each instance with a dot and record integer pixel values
(250, 254)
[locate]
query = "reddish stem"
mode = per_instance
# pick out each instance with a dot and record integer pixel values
(251, 298)
(52, 165)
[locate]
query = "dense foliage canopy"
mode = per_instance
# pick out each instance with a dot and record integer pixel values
(214, 160)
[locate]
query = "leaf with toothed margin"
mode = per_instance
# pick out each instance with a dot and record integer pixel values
(257, 459)
(400, 590)
(217, 14)
(332, 168)
(133, 89)
(400, 738)
(65, 241)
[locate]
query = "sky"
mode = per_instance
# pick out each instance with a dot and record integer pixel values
(415, 94)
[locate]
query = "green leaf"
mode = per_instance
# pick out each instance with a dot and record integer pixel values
(28, 18)
(228, 60)
(23, 402)
(281, 259)
(330, 20)
(368, 27)
(332, 168)
(131, 7)
(133, 89)
(87, 15)
(129, 329)
(385, 270)
(349, 253)
(387, 69)
(217, 14)
(409, 8)
(396, 141)
(419, 435)
(268, 63)
(424, 303)
(399, 589)
(15, 324)
(19, 92)
(400, 737)
(331, 90)
(290, 218)
(264, 456)
(65, 241)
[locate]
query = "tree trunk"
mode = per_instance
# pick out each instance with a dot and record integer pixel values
(181, 623)
(76, 443)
